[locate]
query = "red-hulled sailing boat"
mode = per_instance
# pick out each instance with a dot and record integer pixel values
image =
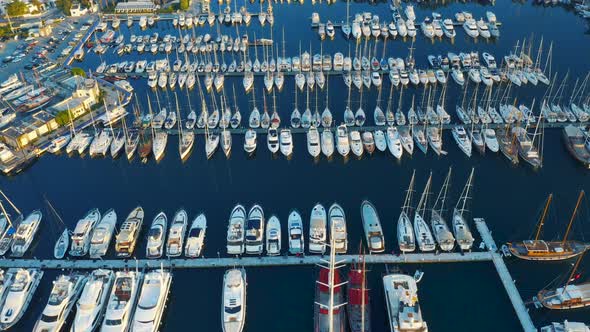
(359, 311)
(329, 298)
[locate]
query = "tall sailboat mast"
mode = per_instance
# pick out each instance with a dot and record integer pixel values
(542, 220)
(569, 226)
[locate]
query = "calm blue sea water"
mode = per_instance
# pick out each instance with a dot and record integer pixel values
(454, 297)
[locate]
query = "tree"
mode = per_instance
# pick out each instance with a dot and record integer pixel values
(62, 118)
(64, 5)
(17, 8)
(184, 4)
(78, 72)
(37, 4)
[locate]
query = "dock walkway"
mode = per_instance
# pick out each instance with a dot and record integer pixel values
(262, 261)
(513, 294)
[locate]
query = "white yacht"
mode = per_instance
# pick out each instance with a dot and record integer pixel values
(403, 308)
(313, 142)
(394, 142)
(380, 140)
(566, 326)
(286, 142)
(233, 306)
(356, 143)
(235, 231)
(296, 240)
(338, 230)
(372, 227)
(272, 140)
(65, 291)
(463, 141)
(25, 233)
(327, 143)
(424, 236)
(126, 239)
(250, 141)
(195, 240)
(91, 305)
(81, 235)
(255, 230)
(102, 234)
(470, 27)
(19, 295)
(121, 302)
(342, 143)
(157, 236)
(273, 236)
(152, 301)
(176, 233)
(491, 140)
(317, 230)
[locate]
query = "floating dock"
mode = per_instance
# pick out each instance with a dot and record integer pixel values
(521, 310)
(225, 262)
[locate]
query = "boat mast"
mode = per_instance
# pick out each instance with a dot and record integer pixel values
(408, 199)
(571, 276)
(442, 195)
(542, 221)
(179, 120)
(151, 115)
(465, 194)
(569, 226)
(422, 204)
(10, 202)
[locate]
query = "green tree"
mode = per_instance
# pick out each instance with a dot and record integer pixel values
(16, 8)
(184, 4)
(64, 5)
(62, 118)
(37, 3)
(78, 72)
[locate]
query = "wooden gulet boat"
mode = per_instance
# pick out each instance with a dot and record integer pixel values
(541, 250)
(570, 296)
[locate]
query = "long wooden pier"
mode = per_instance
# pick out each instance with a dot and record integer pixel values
(507, 281)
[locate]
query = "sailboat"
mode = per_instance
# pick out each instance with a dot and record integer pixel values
(358, 308)
(186, 139)
(423, 234)
(295, 115)
(236, 118)
(346, 29)
(326, 114)
(63, 241)
(460, 227)
(306, 118)
(254, 119)
(442, 234)
(378, 115)
(329, 314)
(570, 296)
(359, 116)
(541, 250)
(265, 119)
(405, 231)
